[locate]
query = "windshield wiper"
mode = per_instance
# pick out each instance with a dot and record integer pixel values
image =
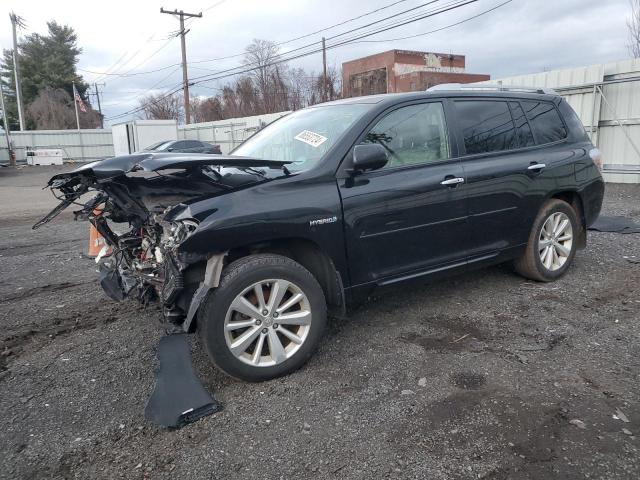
(253, 170)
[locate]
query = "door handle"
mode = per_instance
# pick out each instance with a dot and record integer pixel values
(536, 167)
(452, 182)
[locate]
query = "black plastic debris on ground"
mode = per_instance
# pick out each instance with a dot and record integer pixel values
(178, 397)
(615, 225)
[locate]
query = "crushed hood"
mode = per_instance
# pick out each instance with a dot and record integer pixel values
(130, 183)
(153, 162)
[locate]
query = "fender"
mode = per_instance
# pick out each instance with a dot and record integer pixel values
(254, 215)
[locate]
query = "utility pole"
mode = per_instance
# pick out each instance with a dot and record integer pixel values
(16, 22)
(99, 108)
(7, 131)
(324, 71)
(185, 78)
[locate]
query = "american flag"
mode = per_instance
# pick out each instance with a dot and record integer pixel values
(81, 105)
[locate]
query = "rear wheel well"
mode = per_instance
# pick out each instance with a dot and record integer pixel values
(311, 257)
(573, 199)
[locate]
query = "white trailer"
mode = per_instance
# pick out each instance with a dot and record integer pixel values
(136, 135)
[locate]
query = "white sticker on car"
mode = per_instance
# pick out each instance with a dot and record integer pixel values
(311, 138)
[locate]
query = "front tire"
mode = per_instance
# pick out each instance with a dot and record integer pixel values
(265, 319)
(552, 243)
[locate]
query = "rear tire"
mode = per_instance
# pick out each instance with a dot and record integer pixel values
(248, 336)
(552, 243)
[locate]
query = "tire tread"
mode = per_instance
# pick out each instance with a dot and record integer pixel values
(527, 264)
(234, 270)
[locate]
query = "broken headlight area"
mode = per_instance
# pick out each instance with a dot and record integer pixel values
(146, 264)
(147, 195)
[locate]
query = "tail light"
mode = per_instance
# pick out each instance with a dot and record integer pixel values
(596, 156)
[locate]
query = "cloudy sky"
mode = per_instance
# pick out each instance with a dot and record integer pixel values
(128, 37)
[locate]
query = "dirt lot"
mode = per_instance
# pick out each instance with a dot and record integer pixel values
(482, 376)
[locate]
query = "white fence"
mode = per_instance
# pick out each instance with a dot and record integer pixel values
(82, 146)
(227, 133)
(606, 97)
(89, 145)
(607, 100)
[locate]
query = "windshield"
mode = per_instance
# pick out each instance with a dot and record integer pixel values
(159, 145)
(302, 137)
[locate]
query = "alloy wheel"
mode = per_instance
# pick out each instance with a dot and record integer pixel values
(555, 241)
(267, 322)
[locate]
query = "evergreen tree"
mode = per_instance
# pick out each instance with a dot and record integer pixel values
(47, 63)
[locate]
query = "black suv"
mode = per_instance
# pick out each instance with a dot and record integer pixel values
(316, 210)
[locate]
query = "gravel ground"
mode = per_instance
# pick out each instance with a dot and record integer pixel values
(481, 376)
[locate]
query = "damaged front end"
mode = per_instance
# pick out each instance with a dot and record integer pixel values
(139, 207)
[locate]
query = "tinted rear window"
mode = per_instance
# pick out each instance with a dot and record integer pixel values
(486, 126)
(574, 124)
(545, 121)
(523, 130)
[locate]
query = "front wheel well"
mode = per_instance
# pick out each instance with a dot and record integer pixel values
(310, 256)
(573, 199)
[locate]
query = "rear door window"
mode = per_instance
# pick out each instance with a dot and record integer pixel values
(523, 130)
(486, 126)
(545, 121)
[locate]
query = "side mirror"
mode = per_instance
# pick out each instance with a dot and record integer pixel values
(170, 149)
(369, 157)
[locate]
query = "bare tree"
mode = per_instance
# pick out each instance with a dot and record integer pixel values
(211, 109)
(300, 88)
(53, 109)
(248, 99)
(260, 56)
(633, 24)
(334, 80)
(162, 107)
(230, 101)
(268, 88)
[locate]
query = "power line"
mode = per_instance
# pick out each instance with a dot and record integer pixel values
(121, 62)
(128, 74)
(447, 7)
(240, 54)
(213, 6)
(230, 72)
(139, 64)
(151, 88)
(110, 70)
(279, 44)
(169, 39)
(330, 27)
(334, 36)
(299, 37)
(438, 29)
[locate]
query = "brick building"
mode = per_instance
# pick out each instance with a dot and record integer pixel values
(403, 71)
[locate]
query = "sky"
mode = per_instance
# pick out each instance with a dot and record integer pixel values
(125, 37)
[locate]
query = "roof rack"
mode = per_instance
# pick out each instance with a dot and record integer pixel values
(489, 88)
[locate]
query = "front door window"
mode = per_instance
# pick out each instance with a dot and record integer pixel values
(412, 134)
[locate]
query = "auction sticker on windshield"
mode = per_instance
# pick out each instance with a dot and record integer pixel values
(311, 138)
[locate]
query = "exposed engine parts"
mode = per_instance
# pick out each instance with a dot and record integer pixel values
(151, 193)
